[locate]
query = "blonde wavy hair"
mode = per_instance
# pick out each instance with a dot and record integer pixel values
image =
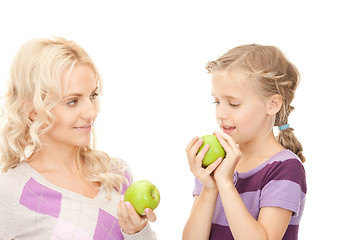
(273, 72)
(34, 85)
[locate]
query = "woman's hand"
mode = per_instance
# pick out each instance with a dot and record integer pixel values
(195, 163)
(224, 173)
(129, 220)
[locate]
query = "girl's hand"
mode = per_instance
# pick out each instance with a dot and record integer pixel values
(195, 163)
(129, 220)
(224, 173)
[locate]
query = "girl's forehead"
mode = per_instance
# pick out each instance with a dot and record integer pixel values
(232, 81)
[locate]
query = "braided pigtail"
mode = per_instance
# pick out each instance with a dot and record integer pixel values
(289, 141)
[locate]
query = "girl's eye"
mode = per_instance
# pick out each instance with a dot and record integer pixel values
(216, 102)
(234, 104)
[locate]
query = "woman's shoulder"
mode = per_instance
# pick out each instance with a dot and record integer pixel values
(13, 176)
(120, 166)
(12, 183)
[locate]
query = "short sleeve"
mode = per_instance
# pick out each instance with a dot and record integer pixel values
(198, 187)
(285, 187)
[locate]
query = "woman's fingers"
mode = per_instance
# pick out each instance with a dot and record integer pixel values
(150, 215)
(128, 218)
(134, 217)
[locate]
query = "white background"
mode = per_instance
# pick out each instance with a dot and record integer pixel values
(157, 97)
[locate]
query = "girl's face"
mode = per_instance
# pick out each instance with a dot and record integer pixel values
(240, 112)
(76, 112)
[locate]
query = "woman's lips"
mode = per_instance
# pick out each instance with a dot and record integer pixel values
(86, 128)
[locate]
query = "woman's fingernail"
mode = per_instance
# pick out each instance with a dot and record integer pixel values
(147, 210)
(128, 204)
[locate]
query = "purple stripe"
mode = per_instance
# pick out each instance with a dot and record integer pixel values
(291, 232)
(274, 169)
(290, 169)
(219, 232)
(256, 200)
(251, 201)
(283, 193)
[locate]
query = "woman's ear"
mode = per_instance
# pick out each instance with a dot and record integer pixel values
(32, 115)
(27, 109)
(274, 104)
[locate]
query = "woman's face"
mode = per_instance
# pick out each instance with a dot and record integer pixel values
(77, 111)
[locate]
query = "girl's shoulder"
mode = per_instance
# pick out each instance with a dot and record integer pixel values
(284, 166)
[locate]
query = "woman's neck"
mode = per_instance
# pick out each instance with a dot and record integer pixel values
(55, 158)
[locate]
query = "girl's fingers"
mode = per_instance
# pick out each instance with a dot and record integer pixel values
(195, 148)
(226, 141)
(200, 156)
(213, 166)
(191, 143)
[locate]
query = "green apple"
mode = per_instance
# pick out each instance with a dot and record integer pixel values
(142, 194)
(215, 150)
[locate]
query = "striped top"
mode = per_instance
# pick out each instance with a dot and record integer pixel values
(279, 182)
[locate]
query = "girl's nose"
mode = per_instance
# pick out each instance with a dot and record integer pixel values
(220, 112)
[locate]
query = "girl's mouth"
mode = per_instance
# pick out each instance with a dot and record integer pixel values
(227, 129)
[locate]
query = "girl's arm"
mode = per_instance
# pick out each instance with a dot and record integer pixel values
(199, 224)
(271, 224)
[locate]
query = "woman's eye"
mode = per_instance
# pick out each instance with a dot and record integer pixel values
(94, 96)
(72, 102)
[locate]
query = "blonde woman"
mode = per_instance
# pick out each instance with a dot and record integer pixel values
(54, 184)
(258, 190)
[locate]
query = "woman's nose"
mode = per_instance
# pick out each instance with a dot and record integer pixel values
(91, 110)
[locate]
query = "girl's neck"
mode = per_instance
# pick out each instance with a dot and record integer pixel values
(258, 151)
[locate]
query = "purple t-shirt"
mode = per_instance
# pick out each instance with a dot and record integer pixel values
(279, 182)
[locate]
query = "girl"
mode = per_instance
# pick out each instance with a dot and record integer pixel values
(54, 184)
(258, 190)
